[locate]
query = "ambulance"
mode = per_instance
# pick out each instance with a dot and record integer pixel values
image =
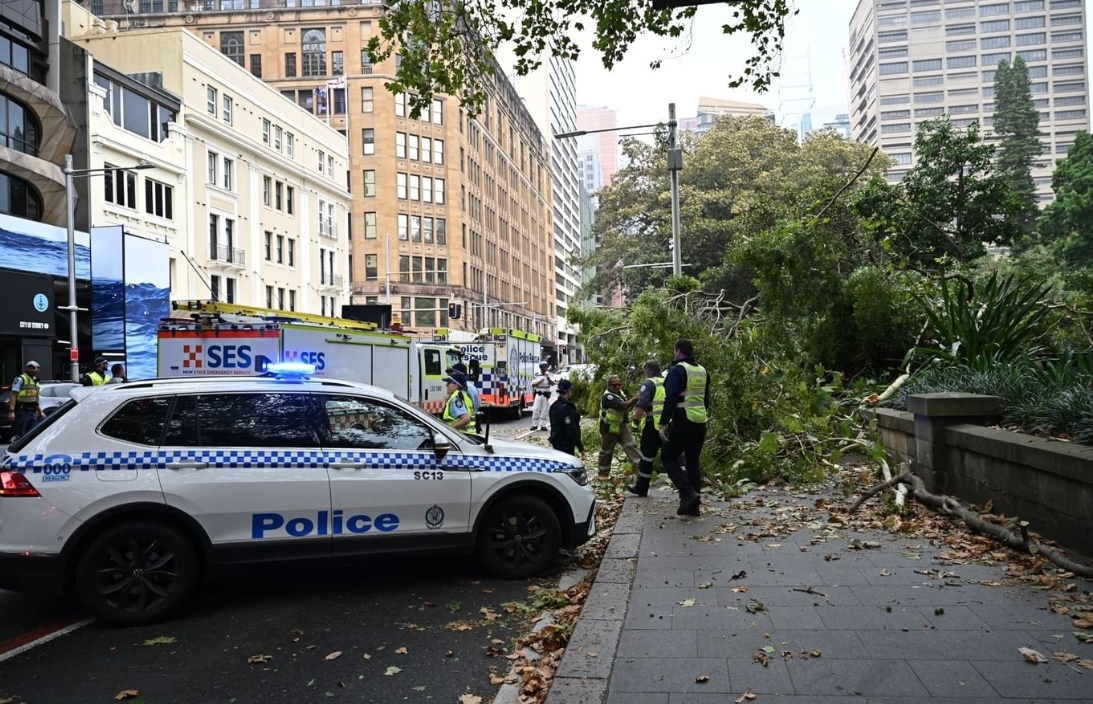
(502, 363)
(204, 338)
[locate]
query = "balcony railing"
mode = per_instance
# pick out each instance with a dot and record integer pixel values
(116, 8)
(228, 255)
(331, 280)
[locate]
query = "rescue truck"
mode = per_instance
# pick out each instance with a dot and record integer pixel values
(204, 338)
(501, 363)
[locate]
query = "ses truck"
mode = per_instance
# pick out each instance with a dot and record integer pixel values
(220, 338)
(501, 363)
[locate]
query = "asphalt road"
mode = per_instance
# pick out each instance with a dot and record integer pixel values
(417, 628)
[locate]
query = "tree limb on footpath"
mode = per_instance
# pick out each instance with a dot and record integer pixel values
(951, 507)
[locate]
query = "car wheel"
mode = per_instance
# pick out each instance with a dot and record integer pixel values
(136, 573)
(519, 537)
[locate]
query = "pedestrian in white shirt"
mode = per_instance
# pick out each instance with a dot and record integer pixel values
(540, 411)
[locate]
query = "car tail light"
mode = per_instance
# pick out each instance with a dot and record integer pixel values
(16, 484)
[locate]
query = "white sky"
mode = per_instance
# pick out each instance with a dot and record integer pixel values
(815, 41)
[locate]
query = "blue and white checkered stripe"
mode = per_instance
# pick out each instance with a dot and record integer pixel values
(302, 459)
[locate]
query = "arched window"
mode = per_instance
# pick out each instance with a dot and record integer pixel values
(19, 198)
(231, 45)
(18, 126)
(314, 47)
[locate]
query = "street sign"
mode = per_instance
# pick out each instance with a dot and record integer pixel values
(74, 355)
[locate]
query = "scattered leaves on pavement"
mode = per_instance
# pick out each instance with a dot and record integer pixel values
(687, 603)
(161, 640)
(745, 697)
(470, 699)
(333, 656)
(401, 651)
(392, 670)
(702, 679)
(1033, 656)
(255, 659)
(124, 694)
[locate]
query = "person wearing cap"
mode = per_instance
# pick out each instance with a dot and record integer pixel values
(471, 389)
(457, 410)
(565, 422)
(97, 376)
(540, 410)
(23, 408)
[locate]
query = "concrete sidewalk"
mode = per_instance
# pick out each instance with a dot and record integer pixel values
(763, 596)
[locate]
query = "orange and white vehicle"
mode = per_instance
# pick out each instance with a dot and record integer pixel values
(205, 338)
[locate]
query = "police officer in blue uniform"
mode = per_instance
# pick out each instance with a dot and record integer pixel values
(683, 425)
(23, 408)
(565, 422)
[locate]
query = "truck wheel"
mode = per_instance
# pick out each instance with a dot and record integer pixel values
(136, 573)
(519, 537)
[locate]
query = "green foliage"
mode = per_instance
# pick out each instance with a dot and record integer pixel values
(948, 206)
(1000, 320)
(1047, 400)
(1065, 223)
(1017, 124)
(450, 48)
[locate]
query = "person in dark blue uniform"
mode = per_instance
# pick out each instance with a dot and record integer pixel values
(565, 422)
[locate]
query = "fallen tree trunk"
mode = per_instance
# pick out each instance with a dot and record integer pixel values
(951, 507)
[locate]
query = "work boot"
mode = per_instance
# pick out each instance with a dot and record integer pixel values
(637, 490)
(690, 505)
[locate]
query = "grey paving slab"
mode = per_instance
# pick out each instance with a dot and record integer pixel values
(567, 690)
(653, 617)
(940, 645)
(739, 643)
(681, 577)
(1053, 680)
(789, 596)
(821, 676)
(670, 595)
(720, 617)
(607, 600)
(963, 700)
(636, 698)
(623, 546)
(760, 575)
(954, 617)
(871, 618)
(1011, 617)
(796, 617)
(837, 574)
(616, 570)
(660, 644)
(699, 698)
(747, 675)
(927, 594)
(670, 675)
(952, 678)
(591, 649)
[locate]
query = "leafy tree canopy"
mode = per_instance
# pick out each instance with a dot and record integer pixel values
(1065, 223)
(949, 205)
(449, 47)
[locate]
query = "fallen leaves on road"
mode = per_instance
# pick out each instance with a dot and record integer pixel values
(124, 694)
(401, 651)
(256, 659)
(687, 603)
(161, 640)
(702, 678)
(392, 670)
(333, 656)
(470, 699)
(458, 626)
(745, 697)
(366, 656)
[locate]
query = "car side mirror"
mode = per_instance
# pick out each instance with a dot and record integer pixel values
(441, 446)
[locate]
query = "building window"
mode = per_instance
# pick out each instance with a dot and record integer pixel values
(927, 65)
(427, 230)
(442, 271)
(1063, 87)
(292, 299)
(1069, 114)
(120, 188)
(290, 145)
(210, 100)
(960, 30)
(898, 53)
(368, 103)
(895, 100)
(1058, 21)
(368, 138)
(369, 183)
(371, 267)
(994, 42)
(1028, 6)
(19, 198)
(893, 68)
(289, 193)
(159, 199)
(425, 312)
(400, 186)
(213, 167)
(896, 127)
(231, 45)
(441, 231)
(290, 65)
(1066, 37)
(265, 131)
(226, 109)
(314, 52)
(1075, 70)
(269, 296)
(277, 200)
(960, 62)
(415, 228)
(426, 189)
(929, 97)
(18, 126)
(438, 191)
(281, 249)
(229, 174)
(291, 252)
(403, 227)
(997, 9)
(370, 227)
(366, 63)
(337, 63)
(1030, 22)
(994, 26)
(957, 14)
(895, 114)
(400, 145)
(268, 246)
(322, 161)
(404, 271)
(1033, 54)
(438, 112)
(426, 149)
(1031, 39)
(267, 188)
(414, 153)
(925, 17)
(415, 187)
(400, 105)
(993, 59)
(256, 65)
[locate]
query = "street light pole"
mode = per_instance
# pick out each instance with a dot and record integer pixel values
(675, 163)
(70, 204)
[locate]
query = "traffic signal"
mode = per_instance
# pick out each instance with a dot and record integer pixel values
(454, 311)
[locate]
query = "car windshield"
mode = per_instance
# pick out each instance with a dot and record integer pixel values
(49, 420)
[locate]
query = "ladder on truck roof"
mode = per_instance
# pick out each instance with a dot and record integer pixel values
(269, 315)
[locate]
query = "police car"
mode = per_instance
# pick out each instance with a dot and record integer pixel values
(131, 494)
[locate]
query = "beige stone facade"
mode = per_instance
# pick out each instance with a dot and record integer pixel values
(257, 185)
(459, 208)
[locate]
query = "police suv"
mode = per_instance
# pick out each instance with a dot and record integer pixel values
(131, 494)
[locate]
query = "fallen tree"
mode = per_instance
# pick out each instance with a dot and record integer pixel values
(951, 507)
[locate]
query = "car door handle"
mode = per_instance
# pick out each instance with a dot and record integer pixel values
(186, 465)
(346, 465)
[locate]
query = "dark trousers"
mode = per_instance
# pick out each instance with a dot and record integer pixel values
(568, 449)
(25, 420)
(685, 440)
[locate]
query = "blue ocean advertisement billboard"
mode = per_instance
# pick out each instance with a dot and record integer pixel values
(147, 299)
(38, 248)
(108, 290)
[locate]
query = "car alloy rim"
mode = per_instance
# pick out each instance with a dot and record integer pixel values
(137, 575)
(519, 537)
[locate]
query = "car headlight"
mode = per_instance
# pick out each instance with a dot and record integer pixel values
(577, 474)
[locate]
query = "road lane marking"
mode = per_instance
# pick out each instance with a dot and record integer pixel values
(39, 636)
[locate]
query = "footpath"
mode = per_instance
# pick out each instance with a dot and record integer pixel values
(774, 598)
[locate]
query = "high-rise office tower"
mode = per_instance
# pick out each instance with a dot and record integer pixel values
(606, 144)
(914, 60)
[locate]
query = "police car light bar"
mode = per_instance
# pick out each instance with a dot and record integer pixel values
(290, 370)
